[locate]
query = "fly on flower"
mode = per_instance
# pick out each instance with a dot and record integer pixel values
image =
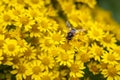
(72, 31)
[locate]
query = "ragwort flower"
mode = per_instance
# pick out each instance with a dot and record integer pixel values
(11, 47)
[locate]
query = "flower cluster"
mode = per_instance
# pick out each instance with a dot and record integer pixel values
(33, 44)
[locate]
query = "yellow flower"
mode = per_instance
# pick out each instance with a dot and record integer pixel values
(25, 21)
(21, 71)
(116, 49)
(108, 40)
(23, 45)
(46, 44)
(74, 19)
(29, 53)
(11, 47)
(15, 60)
(79, 41)
(57, 38)
(118, 36)
(35, 13)
(6, 18)
(112, 72)
(16, 12)
(2, 29)
(76, 69)
(83, 55)
(67, 6)
(96, 51)
(95, 33)
(6, 59)
(35, 30)
(19, 3)
(36, 69)
(1, 57)
(2, 38)
(15, 33)
(35, 3)
(90, 3)
(67, 46)
(94, 67)
(111, 58)
(103, 65)
(55, 51)
(45, 24)
(47, 76)
(46, 60)
(65, 58)
(51, 11)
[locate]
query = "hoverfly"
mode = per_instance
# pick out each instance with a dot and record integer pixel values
(72, 31)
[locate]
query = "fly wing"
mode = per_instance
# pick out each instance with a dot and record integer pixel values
(80, 30)
(68, 24)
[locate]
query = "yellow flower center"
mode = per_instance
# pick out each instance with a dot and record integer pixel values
(6, 18)
(35, 28)
(65, 57)
(21, 69)
(20, 1)
(107, 39)
(36, 70)
(35, 1)
(16, 12)
(94, 68)
(11, 47)
(45, 77)
(85, 57)
(96, 33)
(28, 52)
(98, 51)
(66, 46)
(111, 57)
(44, 24)
(112, 72)
(24, 20)
(35, 41)
(47, 43)
(74, 68)
(45, 61)
(16, 60)
(103, 65)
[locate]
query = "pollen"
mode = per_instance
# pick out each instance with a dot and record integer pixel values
(65, 57)
(28, 52)
(35, 28)
(11, 47)
(94, 68)
(24, 20)
(98, 51)
(47, 43)
(36, 70)
(107, 39)
(74, 68)
(45, 61)
(21, 69)
(111, 57)
(112, 71)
